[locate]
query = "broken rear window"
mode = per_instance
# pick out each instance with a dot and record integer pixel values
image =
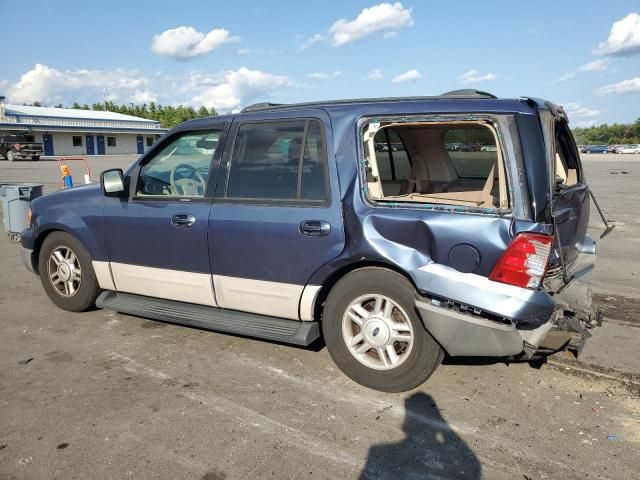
(453, 163)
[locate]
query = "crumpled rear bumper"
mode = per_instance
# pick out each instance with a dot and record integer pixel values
(470, 315)
(462, 334)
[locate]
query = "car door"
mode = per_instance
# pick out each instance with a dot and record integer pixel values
(156, 238)
(277, 214)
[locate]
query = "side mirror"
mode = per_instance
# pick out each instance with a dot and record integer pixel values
(112, 182)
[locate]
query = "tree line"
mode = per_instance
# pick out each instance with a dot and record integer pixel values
(168, 115)
(616, 134)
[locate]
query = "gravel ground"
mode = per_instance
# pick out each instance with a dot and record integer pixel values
(102, 395)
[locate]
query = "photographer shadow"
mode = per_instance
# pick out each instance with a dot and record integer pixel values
(431, 449)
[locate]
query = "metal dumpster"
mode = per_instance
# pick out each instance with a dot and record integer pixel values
(15, 199)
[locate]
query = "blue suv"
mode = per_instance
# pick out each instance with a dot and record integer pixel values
(397, 230)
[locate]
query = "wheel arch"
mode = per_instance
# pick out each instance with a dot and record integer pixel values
(331, 280)
(41, 237)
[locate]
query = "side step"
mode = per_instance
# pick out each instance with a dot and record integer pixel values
(211, 318)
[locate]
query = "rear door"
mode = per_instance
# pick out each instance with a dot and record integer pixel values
(276, 217)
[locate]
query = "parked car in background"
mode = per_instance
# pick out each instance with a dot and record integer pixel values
(628, 148)
(597, 149)
(16, 147)
(288, 222)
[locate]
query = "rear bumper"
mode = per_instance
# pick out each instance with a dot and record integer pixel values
(462, 334)
(525, 320)
(525, 308)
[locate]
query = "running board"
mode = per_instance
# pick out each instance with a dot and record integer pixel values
(211, 318)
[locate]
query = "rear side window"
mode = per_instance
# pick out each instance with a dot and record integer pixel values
(278, 161)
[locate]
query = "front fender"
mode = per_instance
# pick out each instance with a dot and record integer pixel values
(77, 211)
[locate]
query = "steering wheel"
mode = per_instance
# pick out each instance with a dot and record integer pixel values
(190, 183)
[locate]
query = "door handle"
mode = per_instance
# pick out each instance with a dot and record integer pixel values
(315, 228)
(183, 220)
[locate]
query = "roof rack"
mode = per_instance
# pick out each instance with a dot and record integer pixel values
(464, 93)
(261, 106)
(468, 92)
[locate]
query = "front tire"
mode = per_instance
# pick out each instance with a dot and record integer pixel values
(374, 333)
(11, 155)
(66, 273)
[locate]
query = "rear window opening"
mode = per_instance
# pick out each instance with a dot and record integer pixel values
(566, 158)
(456, 163)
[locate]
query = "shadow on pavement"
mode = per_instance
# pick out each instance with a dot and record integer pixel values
(431, 449)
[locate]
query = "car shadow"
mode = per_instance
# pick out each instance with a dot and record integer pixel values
(430, 449)
(536, 362)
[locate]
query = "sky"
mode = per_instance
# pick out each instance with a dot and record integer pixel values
(584, 54)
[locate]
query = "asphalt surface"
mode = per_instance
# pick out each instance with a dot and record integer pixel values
(102, 395)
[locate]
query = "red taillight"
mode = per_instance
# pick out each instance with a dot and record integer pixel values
(524, 263)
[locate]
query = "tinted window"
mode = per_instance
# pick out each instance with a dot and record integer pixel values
(473, 151)
(181, 168)
(111, 141)
(267, 160)
(77, 140)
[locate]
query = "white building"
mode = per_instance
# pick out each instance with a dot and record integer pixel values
(66, 131)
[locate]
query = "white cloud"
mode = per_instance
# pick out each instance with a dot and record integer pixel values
(566, 76)
(474, 76)
(50, 86)
(312, 41)
(384, 17)
(234, 88)
(183, 43)
(375, 74)
(631, 85)
(410, 76)
(324, 76)
(576, 109)
(595, 66)
(600, 65)
(624, 37)
(225, 91)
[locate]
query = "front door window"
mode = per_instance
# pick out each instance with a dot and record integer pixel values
(181, 168)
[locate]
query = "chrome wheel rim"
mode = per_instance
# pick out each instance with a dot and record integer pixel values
(377, 332)
(64, 271)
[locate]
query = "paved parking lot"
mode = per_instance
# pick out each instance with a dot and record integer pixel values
(104, 395)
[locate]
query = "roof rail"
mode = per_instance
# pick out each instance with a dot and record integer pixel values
(465, 93)
(260, 106)
(468, 92)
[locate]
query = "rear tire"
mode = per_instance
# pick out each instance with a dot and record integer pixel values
(35, 158)
(374, 333)
(66, 273)
(11, 155)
